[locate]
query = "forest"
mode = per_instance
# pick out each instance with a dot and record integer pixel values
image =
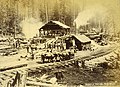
(13, 12)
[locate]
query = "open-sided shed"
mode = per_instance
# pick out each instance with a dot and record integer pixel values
(54, 28)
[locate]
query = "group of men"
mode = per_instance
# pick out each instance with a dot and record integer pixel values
(55, 51)
(54, 56)
(55, 45)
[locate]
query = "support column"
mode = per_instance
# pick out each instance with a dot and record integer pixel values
(44, 32)
(40, 33)
(83, 64)
(23, 78)
(76, 63)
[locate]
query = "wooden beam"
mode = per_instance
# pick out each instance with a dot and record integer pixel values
(39, 84)
(47, 84)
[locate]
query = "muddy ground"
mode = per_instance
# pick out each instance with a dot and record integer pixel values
(76, 76)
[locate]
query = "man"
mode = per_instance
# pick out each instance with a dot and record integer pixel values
(14, 43)
(29, 49)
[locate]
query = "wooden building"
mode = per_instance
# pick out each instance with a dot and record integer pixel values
(96, 37)
(53, 29)
(82, 42)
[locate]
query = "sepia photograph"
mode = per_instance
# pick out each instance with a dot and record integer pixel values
(59, 43)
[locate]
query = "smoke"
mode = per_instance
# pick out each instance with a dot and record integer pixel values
(86, 15)
(30, 27)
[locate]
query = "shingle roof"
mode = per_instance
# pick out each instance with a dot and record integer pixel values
(53, 23)
(60, 24)
(82, 38)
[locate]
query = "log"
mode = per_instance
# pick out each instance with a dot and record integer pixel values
(45, 84)
(39, 84)
(13, 67)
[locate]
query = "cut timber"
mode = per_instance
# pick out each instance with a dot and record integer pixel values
(43, 84)
(13, 67)
(5, 48)
(39, 84)
(13, 53)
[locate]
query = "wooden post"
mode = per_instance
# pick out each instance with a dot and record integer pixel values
(83, 64)
(40, 33)
(76, 63)
(23, 78)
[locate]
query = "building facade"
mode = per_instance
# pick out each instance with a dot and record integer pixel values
(53, 29)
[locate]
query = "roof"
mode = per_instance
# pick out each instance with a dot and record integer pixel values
(61, 24)
(94, 36)
(54, 25)
(82, 38)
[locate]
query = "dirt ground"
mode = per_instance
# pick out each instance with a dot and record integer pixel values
(75, 76)
(78, 76)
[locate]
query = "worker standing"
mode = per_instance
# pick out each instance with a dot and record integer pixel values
(29, 47)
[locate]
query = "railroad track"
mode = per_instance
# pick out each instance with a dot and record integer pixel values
(7, 74)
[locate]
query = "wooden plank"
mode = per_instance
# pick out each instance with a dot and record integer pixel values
(13, 67)
(33, 69)
(28, 70)
(14, 72)
(1, 80)
(67, 65)
(11, 74)
(37, 68)
(6, 77)
(39, 84)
